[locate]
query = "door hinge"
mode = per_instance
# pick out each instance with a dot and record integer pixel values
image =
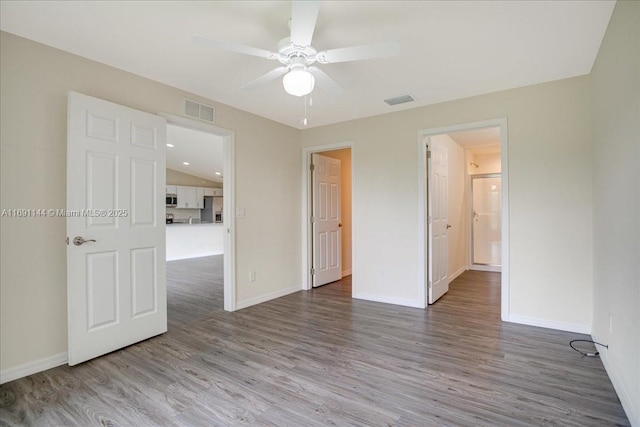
(430, 284)
(429, 219)
(312, 219)
(428, 154)
(312, 167)
(313, 271)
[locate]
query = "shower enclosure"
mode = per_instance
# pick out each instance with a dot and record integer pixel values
(486, 222)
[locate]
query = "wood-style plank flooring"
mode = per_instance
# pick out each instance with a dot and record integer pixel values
(321, 358)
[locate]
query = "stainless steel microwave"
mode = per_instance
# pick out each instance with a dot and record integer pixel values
(172, 200)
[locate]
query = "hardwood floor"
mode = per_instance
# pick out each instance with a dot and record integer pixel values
(322, 358)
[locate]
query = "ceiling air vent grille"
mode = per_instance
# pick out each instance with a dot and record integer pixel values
(399, 100)
(199, 111)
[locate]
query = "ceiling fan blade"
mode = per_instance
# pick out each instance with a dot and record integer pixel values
(357, 53)
(265, 78)
(325, 82)
(304, 15)
(234, 47)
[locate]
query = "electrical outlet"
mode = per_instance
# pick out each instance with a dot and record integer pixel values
(252, 276)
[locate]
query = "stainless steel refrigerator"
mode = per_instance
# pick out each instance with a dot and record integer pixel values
(212, 211)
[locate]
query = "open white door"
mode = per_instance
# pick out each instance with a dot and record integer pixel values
(327, 244)
(116, 280)
(437, 189)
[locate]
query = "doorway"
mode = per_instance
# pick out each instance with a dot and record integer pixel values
(225, 229)
(341, 154)
(466, 159)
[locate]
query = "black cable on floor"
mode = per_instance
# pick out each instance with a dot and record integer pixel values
(587, 354)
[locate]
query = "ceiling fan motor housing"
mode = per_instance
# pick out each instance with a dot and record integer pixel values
(293, 55)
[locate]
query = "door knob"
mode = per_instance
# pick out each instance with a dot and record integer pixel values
(79, 240)
(340, 225)
(448, 226)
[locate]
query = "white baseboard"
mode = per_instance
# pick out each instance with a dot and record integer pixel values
(390, 300)
(346, 272)
(630, 406)
(190, 256)
(543, 323)
(32, 367)
(267, 297)
(455, 275)
(480, 267)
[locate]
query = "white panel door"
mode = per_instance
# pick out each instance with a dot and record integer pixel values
(327, 237)
(116, 284)
(437, 204)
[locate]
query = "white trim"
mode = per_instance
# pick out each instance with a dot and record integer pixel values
(578, 328)
(346, 272)
(631, 408)
(504, 160)
(267, 297)
(34, 367)
(504, 173)
(455, 275)
(480, 267)
(422, 217)
(228, 192)
(306, 230)
(390, 300)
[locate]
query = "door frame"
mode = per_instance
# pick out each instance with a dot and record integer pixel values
(306, 233)
(500, 122)
(228, 192)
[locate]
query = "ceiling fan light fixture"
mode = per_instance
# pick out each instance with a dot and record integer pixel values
(298, 82)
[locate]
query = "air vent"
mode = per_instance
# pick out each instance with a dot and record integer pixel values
(199, 111)
(399, 100)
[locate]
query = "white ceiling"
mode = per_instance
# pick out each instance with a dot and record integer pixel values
(478, 141)
(449, 49)
(203, 152)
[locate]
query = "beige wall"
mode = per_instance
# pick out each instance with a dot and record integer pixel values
(175, 177)
(616, 209)
(549, 197)
(344, 155)
(34, 83)
(487, 163)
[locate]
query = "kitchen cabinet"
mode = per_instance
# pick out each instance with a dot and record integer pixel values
(187, 197)
(171, 189)
(213, 192)
(200, 198)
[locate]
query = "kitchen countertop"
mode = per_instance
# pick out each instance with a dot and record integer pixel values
(186, 222)
(186, 240)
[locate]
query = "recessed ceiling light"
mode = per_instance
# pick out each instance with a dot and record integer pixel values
(170, 145)
(218, 173)
(185, 163)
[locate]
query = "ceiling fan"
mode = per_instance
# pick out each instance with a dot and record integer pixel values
(297, 56)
